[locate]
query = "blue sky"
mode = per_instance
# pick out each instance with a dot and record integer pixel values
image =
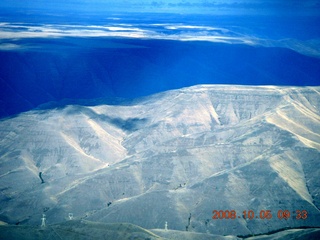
(289, 7)
(117, 48)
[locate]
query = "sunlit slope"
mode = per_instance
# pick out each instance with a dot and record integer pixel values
(174, 156)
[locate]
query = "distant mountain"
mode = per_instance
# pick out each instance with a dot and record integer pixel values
(172, 157)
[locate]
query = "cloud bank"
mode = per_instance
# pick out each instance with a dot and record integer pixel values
(11, 33)
(147, 31)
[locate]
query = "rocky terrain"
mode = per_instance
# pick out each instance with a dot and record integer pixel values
(122, 231)
(172, 157)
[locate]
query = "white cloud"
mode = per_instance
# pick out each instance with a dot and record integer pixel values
(152, 31)
(9, 46)
(166, 31)
(8, 31)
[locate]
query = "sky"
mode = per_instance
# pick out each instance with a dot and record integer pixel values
(65, 31)
(298, 7)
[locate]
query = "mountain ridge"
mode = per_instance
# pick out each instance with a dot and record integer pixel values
(168, 157)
